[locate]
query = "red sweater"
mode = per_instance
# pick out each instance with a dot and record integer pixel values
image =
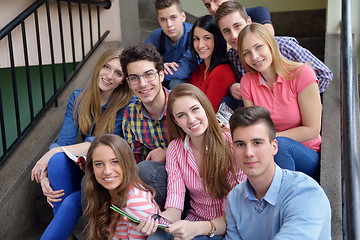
(216, 83)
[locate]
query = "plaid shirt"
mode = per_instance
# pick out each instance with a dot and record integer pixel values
(142, 132)
(289, 48)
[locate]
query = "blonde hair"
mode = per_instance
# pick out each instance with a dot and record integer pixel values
(283, 66)
(102, 219)
(88, 111)
(216, 150)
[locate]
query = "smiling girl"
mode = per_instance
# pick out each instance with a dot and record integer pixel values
(112, 178)
(289, 90)
(198, 159)
(91, 111)
(214, 75)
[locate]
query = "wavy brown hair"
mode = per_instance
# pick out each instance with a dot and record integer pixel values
(216, 150)
(283, 66)
(88, 111)
(102, 220)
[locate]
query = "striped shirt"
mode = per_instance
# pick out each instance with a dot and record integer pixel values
(142, 132)
(289, 48)
(139, 204)
(183, 173)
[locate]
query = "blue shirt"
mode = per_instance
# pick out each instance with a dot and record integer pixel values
(70, 127)
(179, 52)
(289, 48)
(294, 207)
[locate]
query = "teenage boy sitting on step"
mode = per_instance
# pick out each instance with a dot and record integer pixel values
(172, 42)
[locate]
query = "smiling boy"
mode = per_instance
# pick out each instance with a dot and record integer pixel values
(172, 42)
(144, 122)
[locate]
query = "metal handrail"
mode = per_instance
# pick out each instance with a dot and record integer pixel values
(350, 116)
(6, 31)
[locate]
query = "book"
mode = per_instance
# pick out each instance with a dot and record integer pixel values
(224, 113)
(132, 217)
(76, 159)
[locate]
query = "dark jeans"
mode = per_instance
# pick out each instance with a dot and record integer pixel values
(160, 234)
(154, 174)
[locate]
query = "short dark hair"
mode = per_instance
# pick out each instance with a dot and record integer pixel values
(247, 116)
(138, 52)
(229, 7)
(219, 54)
(162, 4)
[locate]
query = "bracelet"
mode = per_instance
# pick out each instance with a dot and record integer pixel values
(212, 231)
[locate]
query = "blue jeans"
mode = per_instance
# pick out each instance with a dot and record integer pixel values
(295, 156)
(64, 174)
(154, 174)
(160, 234)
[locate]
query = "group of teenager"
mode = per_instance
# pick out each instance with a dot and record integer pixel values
(155, 149)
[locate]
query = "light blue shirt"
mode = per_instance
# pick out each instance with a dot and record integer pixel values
(179, 52)
(294, 207)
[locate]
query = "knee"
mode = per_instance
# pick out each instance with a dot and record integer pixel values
(72, 203)
(150, 169)
(58, 160)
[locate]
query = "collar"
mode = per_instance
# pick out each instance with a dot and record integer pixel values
(261, 80)
(273, 191)
(145, 113)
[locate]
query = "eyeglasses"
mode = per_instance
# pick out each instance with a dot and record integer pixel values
(148, 77)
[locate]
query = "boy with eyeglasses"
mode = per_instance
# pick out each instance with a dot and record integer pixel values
(144, 121)
(172, 42)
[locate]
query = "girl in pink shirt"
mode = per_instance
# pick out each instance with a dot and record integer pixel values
(289, 90)
(111, 177)
(198, 159)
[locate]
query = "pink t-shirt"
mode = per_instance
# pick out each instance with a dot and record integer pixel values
(183, 174)
(282, 102)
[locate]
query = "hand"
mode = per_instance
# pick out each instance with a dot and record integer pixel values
(158, 155)
(169, 67)
(183, 230)
(38, 171)
(225, 127)
(147, 226)
(51, 196)
(235, 91)
(82, 166)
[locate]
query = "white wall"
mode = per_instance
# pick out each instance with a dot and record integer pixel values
(110, 20)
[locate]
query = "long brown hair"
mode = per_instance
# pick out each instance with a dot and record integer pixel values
(88, 111)
(216, 150)
(102, 219)
(283, 66)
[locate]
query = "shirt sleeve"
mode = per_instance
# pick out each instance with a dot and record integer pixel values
(187, 65)
(219, 80)
(129, 136)
(291, 49)
(70, 128)
(259, 14)
(119, 119)
(176, 186)
(305, 77)
(154, 38)
(305, 221)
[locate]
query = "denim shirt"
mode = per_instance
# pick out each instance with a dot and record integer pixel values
(70, 127)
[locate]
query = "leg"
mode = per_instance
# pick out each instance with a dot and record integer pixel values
(219, 237)
(160, 234)
(232, 102)
(295, 156)
(64, 174)
(154, 174)
(62, 225)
